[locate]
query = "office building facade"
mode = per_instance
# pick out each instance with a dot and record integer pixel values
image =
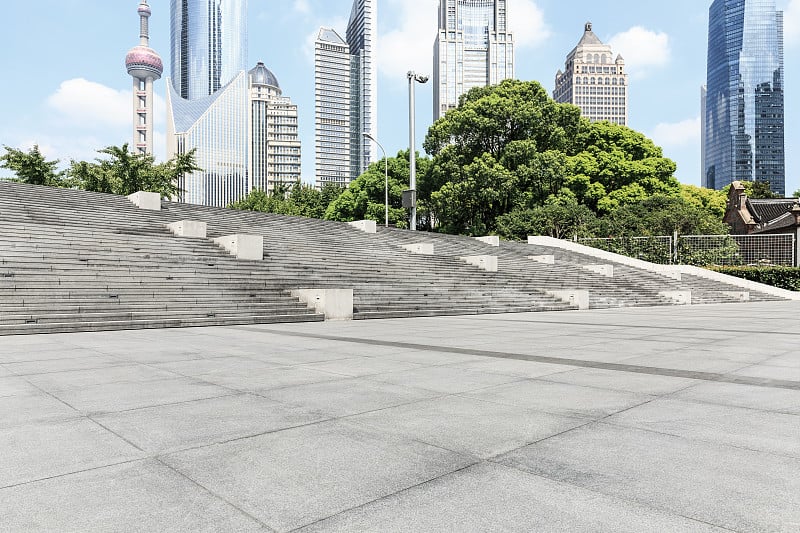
(744, 101)
(207, 98)
(275, 143)
(473, 48)
(594, 80)
(346, 97)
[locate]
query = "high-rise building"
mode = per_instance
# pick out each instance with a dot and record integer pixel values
(744, 109)
(474, 48)
(346, 97)
(275, 148)
(145, 66)
(593, 81)
(207, 98)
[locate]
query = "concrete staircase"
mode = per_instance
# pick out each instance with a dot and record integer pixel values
(77, 261)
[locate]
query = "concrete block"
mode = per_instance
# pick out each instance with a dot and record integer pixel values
(544, 259)
(739, 296)
(576, 297)
(189, 228)
(484, 262)
(367, 226)
(146, 200)
(491, 240)
(243, 246)
(603, 270)
(335, 304)
(420, 248)
(679, 297)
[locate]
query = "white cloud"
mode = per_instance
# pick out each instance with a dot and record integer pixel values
(408, 44)
(642, 49)
(302, 6)
(677, 134)
(791, 23)
(92, 105)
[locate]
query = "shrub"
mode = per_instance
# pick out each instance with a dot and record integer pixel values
(781, 277)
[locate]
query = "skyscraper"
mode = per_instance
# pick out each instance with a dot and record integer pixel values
(145, 66)
(275, 144)
(346, 97)
(473, 48)
(332, 108)
(593, 81)
(744, 113)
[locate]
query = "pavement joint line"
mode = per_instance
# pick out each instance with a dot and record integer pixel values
(214, 494)
(578, 363)
(390, 495)
(623, 326)
(66, 474)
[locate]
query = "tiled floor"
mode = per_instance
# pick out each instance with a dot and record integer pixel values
(666, 419)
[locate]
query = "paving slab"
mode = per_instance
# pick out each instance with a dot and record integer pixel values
(11, 386)
(730, 487)
(347, 397)
(204, 422)
(561, 398)
(78, 379)
(763, 398)
(468, 425)
(49, 366)
(489, 497)
(299, 476)
(623, 381)
(36, 407)
(776, 433)
(122, 396)
(449, 380)
(362, 366)
(46, 449)
(137, 496)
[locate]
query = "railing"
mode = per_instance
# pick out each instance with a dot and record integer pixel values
(704, 250)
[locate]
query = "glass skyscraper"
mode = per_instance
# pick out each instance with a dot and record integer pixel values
(346, 97)
(743, 137)
(207, 98)
(474, 48)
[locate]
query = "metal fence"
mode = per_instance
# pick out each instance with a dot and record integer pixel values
(704, 250)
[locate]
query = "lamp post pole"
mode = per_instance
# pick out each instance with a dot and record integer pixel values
(412, 156)
(385, 171)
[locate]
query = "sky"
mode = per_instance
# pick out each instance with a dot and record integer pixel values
(66, 88)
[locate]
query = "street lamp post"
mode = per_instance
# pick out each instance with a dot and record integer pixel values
(385, 171)
(412, 156)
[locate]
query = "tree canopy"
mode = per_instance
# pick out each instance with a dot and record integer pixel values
(512, 150)
(297, 199)
(31, 167)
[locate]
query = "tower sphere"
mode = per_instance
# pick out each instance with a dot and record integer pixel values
(143, 62)
(144, 10)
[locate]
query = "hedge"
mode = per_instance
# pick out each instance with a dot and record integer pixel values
(782, 277)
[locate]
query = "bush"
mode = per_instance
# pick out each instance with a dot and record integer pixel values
(781, 277)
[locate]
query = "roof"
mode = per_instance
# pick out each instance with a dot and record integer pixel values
(768, 210)
(589, 38)
(329, 35)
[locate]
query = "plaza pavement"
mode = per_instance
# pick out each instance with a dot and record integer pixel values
(661, 419)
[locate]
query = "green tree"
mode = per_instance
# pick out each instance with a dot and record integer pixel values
(511, 148)
(123, 172)
(364, 199)
(555, 219)
(661, 215)
(758, 190)
(298, 199)
(32, 168)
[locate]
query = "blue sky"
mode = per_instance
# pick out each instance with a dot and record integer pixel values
(67, 90)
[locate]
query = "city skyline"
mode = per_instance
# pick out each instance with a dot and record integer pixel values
(74, 108)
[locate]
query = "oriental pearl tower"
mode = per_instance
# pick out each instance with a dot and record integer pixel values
(145, 66)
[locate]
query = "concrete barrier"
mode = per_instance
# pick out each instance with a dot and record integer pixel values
(490, 240)
(544, 259)
(150, 201)
(603, 270)
(423, 248)
(249, 247)
(189, 228)
(578, 298)
(367, 226)
(739, 296)
(335, 304)
(484, 262)
(679, 297)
